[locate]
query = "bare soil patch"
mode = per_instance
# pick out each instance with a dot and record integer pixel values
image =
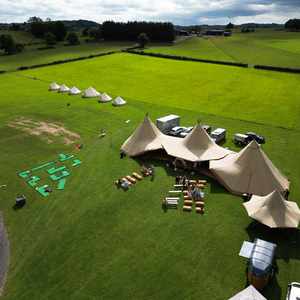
(49, 132)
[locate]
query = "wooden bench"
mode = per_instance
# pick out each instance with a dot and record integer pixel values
(204, 182)
(175, 192)
(137, 176)
(178, 185)
(187, 208)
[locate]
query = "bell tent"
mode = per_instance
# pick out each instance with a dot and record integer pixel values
(54, 86)
(119, 102)
(64, 89)
(105, 98)
(90, 93)
(74, 91)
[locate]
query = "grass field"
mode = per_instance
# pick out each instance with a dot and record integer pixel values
(32, 56)
(93, 241)
(268, 47)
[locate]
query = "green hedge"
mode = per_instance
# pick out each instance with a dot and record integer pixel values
(57, 62)
(279, 69)
(185, 58)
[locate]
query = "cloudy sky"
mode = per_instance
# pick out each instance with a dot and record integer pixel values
(178, 11)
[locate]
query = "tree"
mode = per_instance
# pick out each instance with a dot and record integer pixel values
(143, 40)
(50, 39)
(229, 26)
(293, 24)
(73, 39)
(8, 45)
(58, 29)
(96, 33)
(34, 20)
(85, 32)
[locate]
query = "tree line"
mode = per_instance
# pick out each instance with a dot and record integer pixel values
(130, 31)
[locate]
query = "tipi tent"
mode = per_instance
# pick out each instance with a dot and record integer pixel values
(64, 89)
(74, 91)
(196, 146)
(54, 86)
(90, 93)
(274, 211)
(145, 138)
(105, 98)
(250, 293)
(249, 171)
(119, 101)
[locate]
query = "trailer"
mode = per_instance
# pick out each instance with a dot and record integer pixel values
(165, 124)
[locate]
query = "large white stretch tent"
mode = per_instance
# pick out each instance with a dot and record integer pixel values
(249, 171)
(197, 146)
(274, 211)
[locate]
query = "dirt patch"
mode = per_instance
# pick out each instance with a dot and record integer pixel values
(49, 132)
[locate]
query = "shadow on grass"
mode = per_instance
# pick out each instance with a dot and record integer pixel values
(288, 246)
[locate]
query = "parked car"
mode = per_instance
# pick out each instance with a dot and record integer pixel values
(207, 128)
(218, 135)
(184, 133)
(241, 139)
(258, 138)
(175, 131)
(293, 292)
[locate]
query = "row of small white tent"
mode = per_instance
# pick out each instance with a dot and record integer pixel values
(88, 93)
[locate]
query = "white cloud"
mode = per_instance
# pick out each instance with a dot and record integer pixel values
(177, 11)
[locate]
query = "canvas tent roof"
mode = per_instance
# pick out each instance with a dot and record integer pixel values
(54, 86)
(145, 138)
(105, 98)
(274, 211)
(119, 101)
(90, 93)
(250, 293)
(195, 147)
(74, 91)
(64, 89)
(249, 171)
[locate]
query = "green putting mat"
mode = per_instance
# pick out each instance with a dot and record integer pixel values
(55, 170)
(43, 166)
(64, 157)
(24, 174)
(76, 162)
(61, 184)
(42, 190)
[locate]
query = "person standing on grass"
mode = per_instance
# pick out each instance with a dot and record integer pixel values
(152, 172)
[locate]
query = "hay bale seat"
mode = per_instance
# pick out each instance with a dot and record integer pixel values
(187, 208)
(199, 204)
(131, 179)
(137, 176)
(200, 210)
(188, 203)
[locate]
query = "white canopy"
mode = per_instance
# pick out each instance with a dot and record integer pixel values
(250, 293)
(74, 91)
(54, 86)
(119, 101)
(90, 93)
(195, 147)
(274, 211)
(249, 171)
(64, 89)
(105, 98)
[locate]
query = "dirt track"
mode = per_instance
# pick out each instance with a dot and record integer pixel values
(4, 253)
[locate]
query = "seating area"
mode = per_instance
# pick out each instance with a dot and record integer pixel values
(129, 180)
(190, 192)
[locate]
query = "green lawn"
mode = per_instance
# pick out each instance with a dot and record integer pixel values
(32, 56)
(265, 46)
(93, 241)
